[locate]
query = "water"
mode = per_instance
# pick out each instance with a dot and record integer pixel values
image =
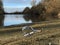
(14, 19)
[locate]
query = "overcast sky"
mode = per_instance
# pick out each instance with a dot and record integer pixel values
(17, 4)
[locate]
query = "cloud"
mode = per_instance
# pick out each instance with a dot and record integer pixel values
(15, 3)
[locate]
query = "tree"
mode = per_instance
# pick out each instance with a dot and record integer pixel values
(52, 4)
(1, 14)
(36, 13)
(52, 8)
(26, 10)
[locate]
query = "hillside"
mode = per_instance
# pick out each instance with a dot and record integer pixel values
(45, 10)
(52, 5)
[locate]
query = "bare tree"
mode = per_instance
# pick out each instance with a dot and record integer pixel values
(52, 4)
(33, 2)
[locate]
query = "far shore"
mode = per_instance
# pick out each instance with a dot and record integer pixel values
(14, 13)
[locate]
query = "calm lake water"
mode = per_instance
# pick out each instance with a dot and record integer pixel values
(14, 19)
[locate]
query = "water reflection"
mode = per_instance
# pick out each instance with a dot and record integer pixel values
(15, 19)
(33, 18)
(20, 18)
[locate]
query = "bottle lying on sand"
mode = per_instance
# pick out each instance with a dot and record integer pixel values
(27, 30)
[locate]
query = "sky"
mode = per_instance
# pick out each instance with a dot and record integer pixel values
(16, 5)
